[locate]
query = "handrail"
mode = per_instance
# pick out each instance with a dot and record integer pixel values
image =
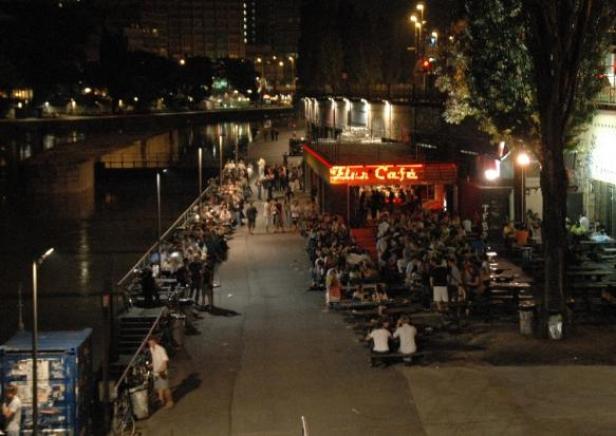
(163, 236)
(137, 353)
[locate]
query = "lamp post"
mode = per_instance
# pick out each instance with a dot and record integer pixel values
(334, 112)
(158, 208)
(220, 147)
(523, 161)
(200, 165)
(35, 266)
(292, 62)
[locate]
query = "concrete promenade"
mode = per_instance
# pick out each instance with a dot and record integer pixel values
(282, 358)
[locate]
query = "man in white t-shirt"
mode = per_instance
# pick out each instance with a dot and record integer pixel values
(406, 333)
(380, 339)
(160, 368)
(11, 410)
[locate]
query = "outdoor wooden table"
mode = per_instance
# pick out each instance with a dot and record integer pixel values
(593, 274)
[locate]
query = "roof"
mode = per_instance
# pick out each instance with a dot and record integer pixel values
(376, 152)
(59, 340)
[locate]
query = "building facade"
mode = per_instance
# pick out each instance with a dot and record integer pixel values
(190, 28)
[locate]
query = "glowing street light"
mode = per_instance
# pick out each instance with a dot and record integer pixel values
(414, 18)
(523, 160)
(182, 61)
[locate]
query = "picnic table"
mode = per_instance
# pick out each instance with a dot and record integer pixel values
(596, 274)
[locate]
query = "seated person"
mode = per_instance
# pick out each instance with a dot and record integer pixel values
(360, 294)
(406, 333)
(380, 339)
(380, 295)
(509, 234)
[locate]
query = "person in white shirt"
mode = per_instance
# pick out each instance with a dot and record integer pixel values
(406, 333)
(380, 339)
(11, 410)
(585, 223)
(160, 368)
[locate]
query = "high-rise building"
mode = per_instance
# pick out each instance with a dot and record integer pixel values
(272, 26)
(189, 28)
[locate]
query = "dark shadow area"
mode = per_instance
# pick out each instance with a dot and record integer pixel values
(190, 383)
(219, 311)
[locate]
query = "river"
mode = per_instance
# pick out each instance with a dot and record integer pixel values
(97, 235)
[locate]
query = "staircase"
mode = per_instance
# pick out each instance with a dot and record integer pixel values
(133, 330)
(366, 239)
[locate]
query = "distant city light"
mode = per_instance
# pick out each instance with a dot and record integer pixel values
(182, 61)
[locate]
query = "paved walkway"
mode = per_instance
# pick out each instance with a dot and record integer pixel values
(258, 373)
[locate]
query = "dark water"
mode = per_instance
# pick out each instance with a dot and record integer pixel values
(97, 237)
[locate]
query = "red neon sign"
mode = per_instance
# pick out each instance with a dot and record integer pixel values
(366, 174)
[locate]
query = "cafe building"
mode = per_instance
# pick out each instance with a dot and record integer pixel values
(337, 172)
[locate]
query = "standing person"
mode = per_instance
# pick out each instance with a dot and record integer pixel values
(438, 281)
(208, 283)
(278, 216)
(251, 215)
(268, 213)
(11, 411)
(149, 288)
(454, 281)
(259, 184)
(196, 279)
(295, 215)
(160, 368)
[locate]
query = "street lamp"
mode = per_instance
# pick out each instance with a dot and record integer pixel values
(220, 146)
(334, 110)
(158, 203)
(292, 61)
(35, 266)
(523, 160)
(420, 7)
(389, 106)
(200, 164)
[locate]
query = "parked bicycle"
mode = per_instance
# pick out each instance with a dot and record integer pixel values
(123, 423)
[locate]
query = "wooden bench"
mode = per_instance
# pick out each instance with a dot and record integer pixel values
(394, 357)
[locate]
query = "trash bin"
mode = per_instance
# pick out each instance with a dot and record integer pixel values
(178, 325)
(527, 318)
(139, 401)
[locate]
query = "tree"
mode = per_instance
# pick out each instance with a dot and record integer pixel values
(528, 69)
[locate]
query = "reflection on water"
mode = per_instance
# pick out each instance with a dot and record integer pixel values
(177, 147)
(99, 233)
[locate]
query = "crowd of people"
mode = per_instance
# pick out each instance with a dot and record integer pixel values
(435, 257)
(191, 253)
(344, 270)
(433, 253)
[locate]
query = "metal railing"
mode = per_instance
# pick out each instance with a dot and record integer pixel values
(181, 220)
(133, 359)
(121, 384)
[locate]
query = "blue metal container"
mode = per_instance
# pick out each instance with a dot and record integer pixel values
(64, 379)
